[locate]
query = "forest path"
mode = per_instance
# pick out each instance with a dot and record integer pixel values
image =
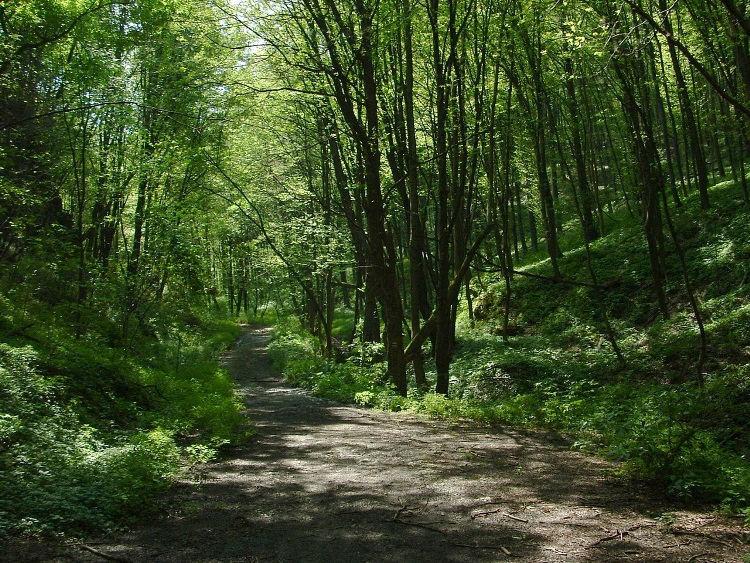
(322, 482)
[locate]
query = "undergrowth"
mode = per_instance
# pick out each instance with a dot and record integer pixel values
(653, 414)
(89, 433)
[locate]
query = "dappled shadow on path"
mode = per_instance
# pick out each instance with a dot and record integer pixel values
(325, 482)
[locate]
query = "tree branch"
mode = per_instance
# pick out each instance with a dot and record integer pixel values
(453, 289)
(711, 79)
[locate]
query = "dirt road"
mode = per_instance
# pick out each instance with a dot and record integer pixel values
(322, 482)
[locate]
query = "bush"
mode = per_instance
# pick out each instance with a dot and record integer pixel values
(349, 380)
(198, 398)
(89, 436)
(57, 472)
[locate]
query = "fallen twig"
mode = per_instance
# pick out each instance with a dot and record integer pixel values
(644, 525)
(420, 525)
(516, 518)
(485, 513)
(678, 544)
(617, 535)
(705, 536)
(489, 503)
(472, 451)
(427, 526)
(407, 508)
(103, 555)
(577, 524)
(505, 550)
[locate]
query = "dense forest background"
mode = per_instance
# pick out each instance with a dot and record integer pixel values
(530, 212)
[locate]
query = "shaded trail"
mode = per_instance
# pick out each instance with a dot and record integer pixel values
(322, 482)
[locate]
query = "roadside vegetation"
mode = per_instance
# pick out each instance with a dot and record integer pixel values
(90, 433)
(559, 372)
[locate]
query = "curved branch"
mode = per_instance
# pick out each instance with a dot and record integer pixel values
(453, 289)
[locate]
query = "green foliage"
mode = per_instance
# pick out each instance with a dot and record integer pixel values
(57, 472)
(337, 381)
(296, 354)
(652, 414)
(680, 435)
(289, 345)
(383, 399)
(199, 396)
(89, 435)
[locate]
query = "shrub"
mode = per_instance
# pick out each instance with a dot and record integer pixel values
(88, 435)
(57, 472)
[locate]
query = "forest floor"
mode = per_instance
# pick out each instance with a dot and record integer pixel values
(320, 481)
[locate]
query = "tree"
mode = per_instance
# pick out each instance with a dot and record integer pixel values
(531, 90)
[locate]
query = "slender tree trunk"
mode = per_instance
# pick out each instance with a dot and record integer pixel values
(533, 232)
(417, 284)
(649, 174)
(519, 220)
(590, 232)
(691, 126)
(662, 117)
(443, 331)
(382, 249)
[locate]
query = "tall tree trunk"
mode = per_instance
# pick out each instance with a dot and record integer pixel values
(635, 104)
(382, 249)
(691, 125)
(417, 283)
(443, 331)
(590, 232)
(366, 300)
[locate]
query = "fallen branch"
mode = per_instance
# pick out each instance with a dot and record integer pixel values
(103, 555)
(486, 513)
(568, 281)
(516, 518)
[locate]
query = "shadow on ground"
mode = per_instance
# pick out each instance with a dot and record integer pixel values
(322, 482)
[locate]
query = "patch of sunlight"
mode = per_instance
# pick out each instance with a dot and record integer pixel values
(720, 253)
(532, 265)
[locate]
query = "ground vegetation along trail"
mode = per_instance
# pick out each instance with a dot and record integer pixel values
(325, 482)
